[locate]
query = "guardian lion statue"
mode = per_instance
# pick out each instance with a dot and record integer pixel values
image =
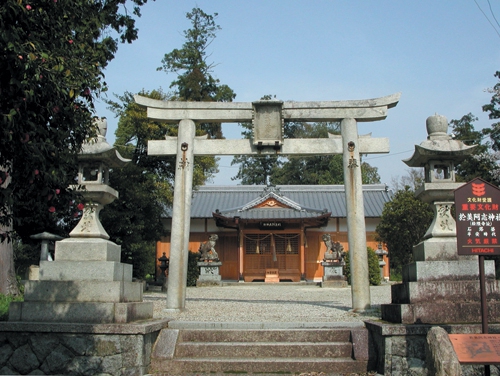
(334, 250)
(207, 250)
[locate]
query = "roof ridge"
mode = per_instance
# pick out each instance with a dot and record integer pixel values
(294, 187)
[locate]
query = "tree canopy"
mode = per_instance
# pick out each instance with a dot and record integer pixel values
(53, 55)
(483, 162)
(319, 169)
(143, 203)
(51, 70)
(403, 224)
(194, 81)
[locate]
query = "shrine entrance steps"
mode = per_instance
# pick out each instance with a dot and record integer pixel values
(224, 348)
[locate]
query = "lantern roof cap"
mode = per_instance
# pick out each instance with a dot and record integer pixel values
(99, 150)
(439, 145)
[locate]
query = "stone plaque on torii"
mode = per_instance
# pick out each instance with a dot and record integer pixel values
(268, 117)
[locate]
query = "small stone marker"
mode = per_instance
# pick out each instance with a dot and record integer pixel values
(477, 348)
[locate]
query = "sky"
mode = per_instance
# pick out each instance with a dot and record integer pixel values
(440, 55)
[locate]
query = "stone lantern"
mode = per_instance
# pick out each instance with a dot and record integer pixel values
(381, 252)
(164, 263)
(94, 162)
(439, 286)
(86, 282)
(438, 155)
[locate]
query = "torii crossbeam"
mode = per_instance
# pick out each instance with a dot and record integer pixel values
(268, 117)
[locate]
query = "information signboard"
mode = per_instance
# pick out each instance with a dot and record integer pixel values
(478, 218)
(476, 348)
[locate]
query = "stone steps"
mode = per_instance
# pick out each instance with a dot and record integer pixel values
(209, 351)
(263, 349)
(263, 365)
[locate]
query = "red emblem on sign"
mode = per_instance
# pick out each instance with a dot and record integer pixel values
(478, 189)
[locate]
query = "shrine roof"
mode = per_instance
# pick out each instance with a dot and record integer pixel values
(301, 200)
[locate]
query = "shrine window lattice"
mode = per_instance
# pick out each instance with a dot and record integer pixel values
(263, 244)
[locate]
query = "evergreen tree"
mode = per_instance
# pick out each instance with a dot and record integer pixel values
(53, 56)
(320, 169)
(145, 184)
(403, 224)
(483, 162)
(142, 204)
(194, 80)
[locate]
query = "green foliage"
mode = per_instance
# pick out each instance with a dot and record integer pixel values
(404, 222)
(25, 254)
(396, 276)
(482, 163)
(373, 267)
(134, 220)
(321, 169)
(52, 59)
(193, 269)
(255, 170)
(493, 108)
(5, 301)
(145, 184)
(194, 80)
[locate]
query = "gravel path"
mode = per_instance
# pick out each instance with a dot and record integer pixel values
(270, 303)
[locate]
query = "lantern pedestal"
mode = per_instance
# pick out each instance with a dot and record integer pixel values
(86, 282)
(209, 274)
(333, 275)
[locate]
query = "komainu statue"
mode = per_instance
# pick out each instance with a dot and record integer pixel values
(207, 250)
(334, 250)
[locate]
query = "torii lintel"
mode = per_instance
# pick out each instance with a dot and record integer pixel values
(233, 112)
(297, 146)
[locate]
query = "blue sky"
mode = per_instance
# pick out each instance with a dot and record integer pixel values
(441, 56)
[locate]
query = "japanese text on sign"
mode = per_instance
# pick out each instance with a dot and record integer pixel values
(478, 217)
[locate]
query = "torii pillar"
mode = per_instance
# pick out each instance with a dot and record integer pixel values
(268, 119)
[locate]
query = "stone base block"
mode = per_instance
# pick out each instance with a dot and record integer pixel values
(78, 249)
(446, 270)
(437, 291)
(77, 349)
(85, 270)
(33, 273)
(205, 283)
(209, 278)
(83, 291)
(439, 313)
(89, 313)
(401, 349)
(334, 284)
(438, 249)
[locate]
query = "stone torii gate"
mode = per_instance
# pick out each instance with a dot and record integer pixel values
(268, 118)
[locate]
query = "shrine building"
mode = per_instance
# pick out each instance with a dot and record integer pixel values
(263, 227)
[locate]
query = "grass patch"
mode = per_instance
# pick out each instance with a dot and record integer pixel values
(4, 305)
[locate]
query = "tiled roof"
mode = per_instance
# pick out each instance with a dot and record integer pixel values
(313, 198)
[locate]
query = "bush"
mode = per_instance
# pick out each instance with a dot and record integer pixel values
(193, 269)
(4, 305)
(373, 268)
(396, 276)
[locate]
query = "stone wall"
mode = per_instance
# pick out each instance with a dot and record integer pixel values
(76, 349)
(401, 349)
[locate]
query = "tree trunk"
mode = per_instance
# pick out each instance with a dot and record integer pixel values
(8, 282)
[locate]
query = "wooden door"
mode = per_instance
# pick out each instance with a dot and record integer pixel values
(227, 248)
(271, 251)
(312, 255)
